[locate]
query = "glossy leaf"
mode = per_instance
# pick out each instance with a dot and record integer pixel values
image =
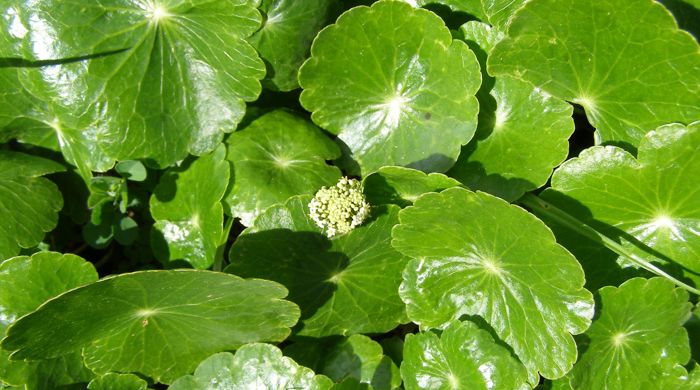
(123, 322)
(114, 381)
(187, 208)
(277, 156)
(254, 366)
(26, 283)
(345, 285)
(165, 78)
(625, 61)
(499, 13)
(463, 357)
(29, 203)
(28, 117)
(285, 37)
(399, 92)
(638, 341)
(475, 254)
(401, 186)
(522, 133)
(356, 356)
(653, 198)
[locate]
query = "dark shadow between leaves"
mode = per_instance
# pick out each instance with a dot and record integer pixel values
(687, 16)
(473, 175)
(453, 19)
(598, 262)
(301, 261)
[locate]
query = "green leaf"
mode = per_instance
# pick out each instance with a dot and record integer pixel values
(254, 366)
(186, 206)
(638, 338)
(114, 381)
(399, 92)
(285, 37)
(123, 322)
(522, 133)
(499, 13)
(476, 254)
(164, 78)
(26, 283)
(132, 170)
(344, 286)
(463, 357)
(652, 200)
(401, 186)
(277, 156)
(356, 356)
(29, 203)
(33, 117)
(625, 61)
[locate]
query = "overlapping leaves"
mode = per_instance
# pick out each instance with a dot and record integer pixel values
(625, 61)
(474, 254)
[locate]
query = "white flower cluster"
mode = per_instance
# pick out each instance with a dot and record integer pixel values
(338, 209)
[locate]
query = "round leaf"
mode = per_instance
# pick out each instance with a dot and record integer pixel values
(285, 37)
(400, 92)
(356, 356)
(522, 133)
(26, 283)
(124, 322)
(476, 254)
(463, 357)
(625, 61)
(186, 206)
(29, 204)
(344, 286)
(165, 78)
(637, 340)
(277, 156)
(472, 7)
(114, 381)
(653, 198)
(401, 186)
(254, 366)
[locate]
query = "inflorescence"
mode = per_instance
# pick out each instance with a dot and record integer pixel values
(339, 209)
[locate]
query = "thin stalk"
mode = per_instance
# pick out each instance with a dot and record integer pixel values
(543, 207)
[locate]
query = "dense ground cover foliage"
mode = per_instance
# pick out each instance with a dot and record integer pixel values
(318, 194)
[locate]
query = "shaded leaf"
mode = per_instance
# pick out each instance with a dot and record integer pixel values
(356, 356)
(343, 285)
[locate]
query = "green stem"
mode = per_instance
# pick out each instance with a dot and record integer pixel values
(542, 207)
